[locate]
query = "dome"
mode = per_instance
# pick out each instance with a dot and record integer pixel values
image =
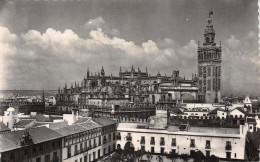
(10, 109)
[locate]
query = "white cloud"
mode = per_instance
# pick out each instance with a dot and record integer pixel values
(47, 60)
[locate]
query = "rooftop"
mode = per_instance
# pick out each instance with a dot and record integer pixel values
(3, 128)
(104, 121)
(191, 130)
(11, 140)
(23, 123)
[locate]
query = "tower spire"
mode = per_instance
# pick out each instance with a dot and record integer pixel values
(88, 72)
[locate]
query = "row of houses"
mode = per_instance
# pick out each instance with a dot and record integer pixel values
(83, 141)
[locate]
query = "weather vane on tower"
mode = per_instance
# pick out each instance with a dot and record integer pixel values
(210, 13)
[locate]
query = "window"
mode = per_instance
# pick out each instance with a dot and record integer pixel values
(207, 144)
(114, 136)
(228, 155)
(47, 158)
(76, 160)
(26, 152)
(207, 153)
(34, 150)
(152, 149)
(41, 148)
(80, 159)
(12, 156)
(192, 142)
(104, 151)
(53, 145)
(173, 141)
(162, 150)
(142, 140)
(143, 148)
(173, 151)
(152, 141)
(192, 152)
(55, 155)
(85, 158)
(76, 149)
(162, 141)
(94, 155)
(228, 145)
(99, 153)
(235, 155)
(109, 137)
(38, 159)
(69, 152)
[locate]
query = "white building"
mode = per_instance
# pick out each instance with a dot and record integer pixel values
(227, 143)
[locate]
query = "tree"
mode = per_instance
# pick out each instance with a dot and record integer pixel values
(139, 154)
(198, 156)
(116, 157)
(212, 158)
(184, 157)
(172, 156)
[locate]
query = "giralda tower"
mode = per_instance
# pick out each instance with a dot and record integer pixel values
(209, 66)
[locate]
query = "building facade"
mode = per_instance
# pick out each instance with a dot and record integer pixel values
(225, 143)
(88, 141)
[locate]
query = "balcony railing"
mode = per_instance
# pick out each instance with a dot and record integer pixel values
(76, 152)
(142, 141)
(207, 147)
(192, 145)
(81, 150)
(173, 143)
(118, 137)
(162, 143)
(152, 142)
(228, 147)
(129, 138)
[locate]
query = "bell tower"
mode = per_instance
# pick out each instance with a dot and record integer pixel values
(209, 66)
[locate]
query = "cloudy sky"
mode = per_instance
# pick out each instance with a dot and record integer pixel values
(46, 43)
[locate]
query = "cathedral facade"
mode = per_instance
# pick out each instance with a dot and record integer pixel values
(134, 87)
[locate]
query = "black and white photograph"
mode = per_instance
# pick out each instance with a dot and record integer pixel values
(129, 81)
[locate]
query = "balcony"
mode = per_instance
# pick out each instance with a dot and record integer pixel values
(228, 147)
(90, 147)
(142, 141)
(162, 143)
(173, 144)
(152, 142)
(118, 137)
(81, 150)
(76, 152)
(207, 147)
(129, 138)
(192, 145)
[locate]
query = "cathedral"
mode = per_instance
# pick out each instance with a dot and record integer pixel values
(135, 87)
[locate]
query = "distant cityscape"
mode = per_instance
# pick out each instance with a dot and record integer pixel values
(134, 116)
